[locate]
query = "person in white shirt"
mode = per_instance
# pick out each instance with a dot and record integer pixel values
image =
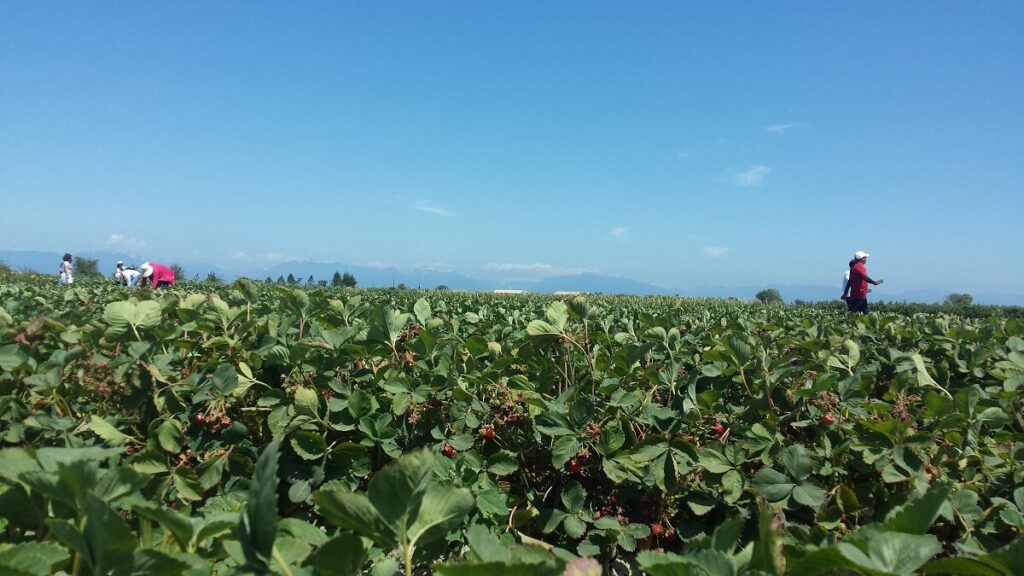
(846, 280)
(65, 271)
(131, 276)
(125, 276)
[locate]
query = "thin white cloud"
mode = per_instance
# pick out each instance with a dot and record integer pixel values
(122, 242)
(684, 154)
(377, 264)
(781, 128)
(534, 269)
(430, 208)
(275, 257)
(621, 231)
(752, 176)
(715, 251)
(420, 266)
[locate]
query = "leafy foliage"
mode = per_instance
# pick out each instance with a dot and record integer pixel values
(87, 267)
(260, 428)
(769, 296)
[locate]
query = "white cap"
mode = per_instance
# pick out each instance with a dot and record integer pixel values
(147, 270)
(119, 263)
(860, 254)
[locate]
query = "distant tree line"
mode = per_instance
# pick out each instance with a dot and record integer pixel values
(339, 280)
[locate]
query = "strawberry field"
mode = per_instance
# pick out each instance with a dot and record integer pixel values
(258, 429)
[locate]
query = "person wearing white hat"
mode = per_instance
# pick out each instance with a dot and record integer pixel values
(119, 273)
(855, 291)
(157, 275)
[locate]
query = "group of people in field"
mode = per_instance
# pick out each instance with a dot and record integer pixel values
(146, 274)
(855, 280)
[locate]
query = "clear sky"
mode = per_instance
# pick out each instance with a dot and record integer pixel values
(679, 143)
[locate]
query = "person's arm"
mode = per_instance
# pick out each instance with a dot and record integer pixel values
(870, 281)
(846, 290)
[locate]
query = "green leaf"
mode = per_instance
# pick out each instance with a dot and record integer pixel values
(32, 558)
(307, 403)
(772, 485)
(612, 438)
(669, 564)
(540, 328)
(353, 511)
(574, 527)
(796, 462)
(767, 554)
(398, 488)
(211, 472)
(386, 566)
(156, 563)
(553, 424)
(924, 379)
(502, 463)
(557, 313)
(739, 351)
(964, 566)
(492, 502)
(917, 517)
(123, 316)
(727, 534)
(175, 522)
(301, 530)
(11, 357)
(170, 435)
(824, 561)
(108, 537)
(809, 495)
(187, 484)
(106, 431)
(290, 551)
(574, 497)
(548, 568)
(258, 527)
(461, 442)
(894, 552)
(714, 461)
(422, 310)
(225, 379)
(442, 510)
(564, 448)
(343, 555)
(486, 545)
(308, 444)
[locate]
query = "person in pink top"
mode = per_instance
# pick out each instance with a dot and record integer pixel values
(159, 275)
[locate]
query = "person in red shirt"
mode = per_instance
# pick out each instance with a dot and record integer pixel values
(159, 275)
(856, 290)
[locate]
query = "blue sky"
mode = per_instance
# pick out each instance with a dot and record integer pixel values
(681, 144)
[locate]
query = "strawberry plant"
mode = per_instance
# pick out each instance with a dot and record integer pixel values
(251, 428)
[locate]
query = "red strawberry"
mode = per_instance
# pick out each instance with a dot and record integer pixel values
(574, 466)
(717, 429)
(828, 419)
(448, 450)
(657, 529)
(487, 432)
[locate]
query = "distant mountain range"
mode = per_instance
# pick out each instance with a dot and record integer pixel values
(368, 276)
